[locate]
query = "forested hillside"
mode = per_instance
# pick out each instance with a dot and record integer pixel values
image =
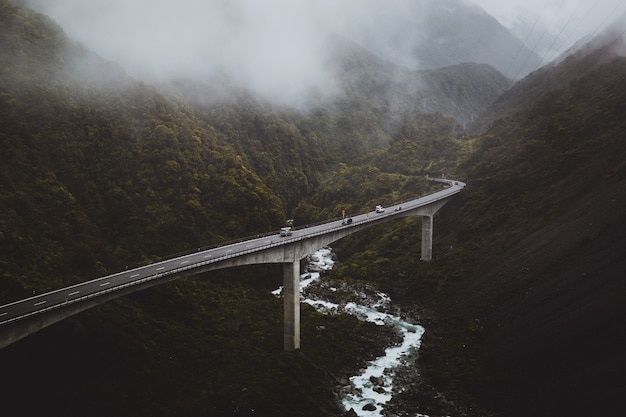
(112, 162)
(526, 296)
(100, 171)
(92, 153)
(522, 303)
(292, 148)
(548, 288)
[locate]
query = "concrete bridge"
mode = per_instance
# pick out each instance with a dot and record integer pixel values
(24, 317)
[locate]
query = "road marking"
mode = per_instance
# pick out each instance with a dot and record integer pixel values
(73, 293)
(3, 314)
(104, 283)
(184, 262)
(39, 303)
(160, 268)
(208, 256)
(133, 276)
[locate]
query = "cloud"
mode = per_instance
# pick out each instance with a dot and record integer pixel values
(280, 48)
(274, 47)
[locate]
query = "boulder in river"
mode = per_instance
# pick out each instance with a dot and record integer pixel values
(369, 407)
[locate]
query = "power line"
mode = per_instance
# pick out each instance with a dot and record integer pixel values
(584, 18)
(527, 37)
(540, 39)
(610, 45)
(561, 32)
(556, 38)
(602, 24)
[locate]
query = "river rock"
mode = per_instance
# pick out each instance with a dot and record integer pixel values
(377, 380)
(351, 413)
(369, 407)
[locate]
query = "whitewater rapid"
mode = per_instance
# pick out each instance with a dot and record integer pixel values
(373, 387)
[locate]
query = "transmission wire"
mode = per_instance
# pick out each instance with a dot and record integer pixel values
(556, 38)
(540, 39)
(601, 25)
(526, 40)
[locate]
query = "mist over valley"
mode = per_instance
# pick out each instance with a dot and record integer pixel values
(134, 130)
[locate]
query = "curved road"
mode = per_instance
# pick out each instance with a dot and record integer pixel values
(33, 305)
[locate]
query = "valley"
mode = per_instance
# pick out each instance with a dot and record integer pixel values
(103, 169)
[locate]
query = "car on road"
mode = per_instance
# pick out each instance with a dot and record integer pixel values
(380, 209)
(285, 231)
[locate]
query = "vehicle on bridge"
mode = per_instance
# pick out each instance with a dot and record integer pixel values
(346, 221)
(23, 317)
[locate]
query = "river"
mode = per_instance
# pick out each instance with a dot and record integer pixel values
(372, 389)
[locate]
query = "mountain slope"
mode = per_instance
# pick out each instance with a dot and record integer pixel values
(98, 173)
(556, 304)
(461, 91)
(523, 304)
(427, 35)
(107, 159)
(543, 218)
(292, 148)
(581, 60)
(459, 32)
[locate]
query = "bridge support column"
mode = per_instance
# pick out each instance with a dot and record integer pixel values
(291, 300)
(427, 238)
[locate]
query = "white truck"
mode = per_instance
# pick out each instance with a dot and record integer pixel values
(285, 231)
(380, 209)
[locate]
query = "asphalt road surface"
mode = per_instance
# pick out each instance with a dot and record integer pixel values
(32, 305)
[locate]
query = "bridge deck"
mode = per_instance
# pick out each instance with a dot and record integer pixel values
(265, 249)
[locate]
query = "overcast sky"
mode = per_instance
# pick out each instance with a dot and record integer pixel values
(275, 46)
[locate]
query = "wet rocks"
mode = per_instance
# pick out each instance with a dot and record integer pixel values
(369, 407)
(351, 413)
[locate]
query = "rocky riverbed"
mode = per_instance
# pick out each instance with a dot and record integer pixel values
(390, 387)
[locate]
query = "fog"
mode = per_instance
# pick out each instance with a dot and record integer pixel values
(280, 48)
(550, 27)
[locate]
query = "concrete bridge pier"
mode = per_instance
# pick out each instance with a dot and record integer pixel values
(291, 300)
(427, 238)
(428, 213)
